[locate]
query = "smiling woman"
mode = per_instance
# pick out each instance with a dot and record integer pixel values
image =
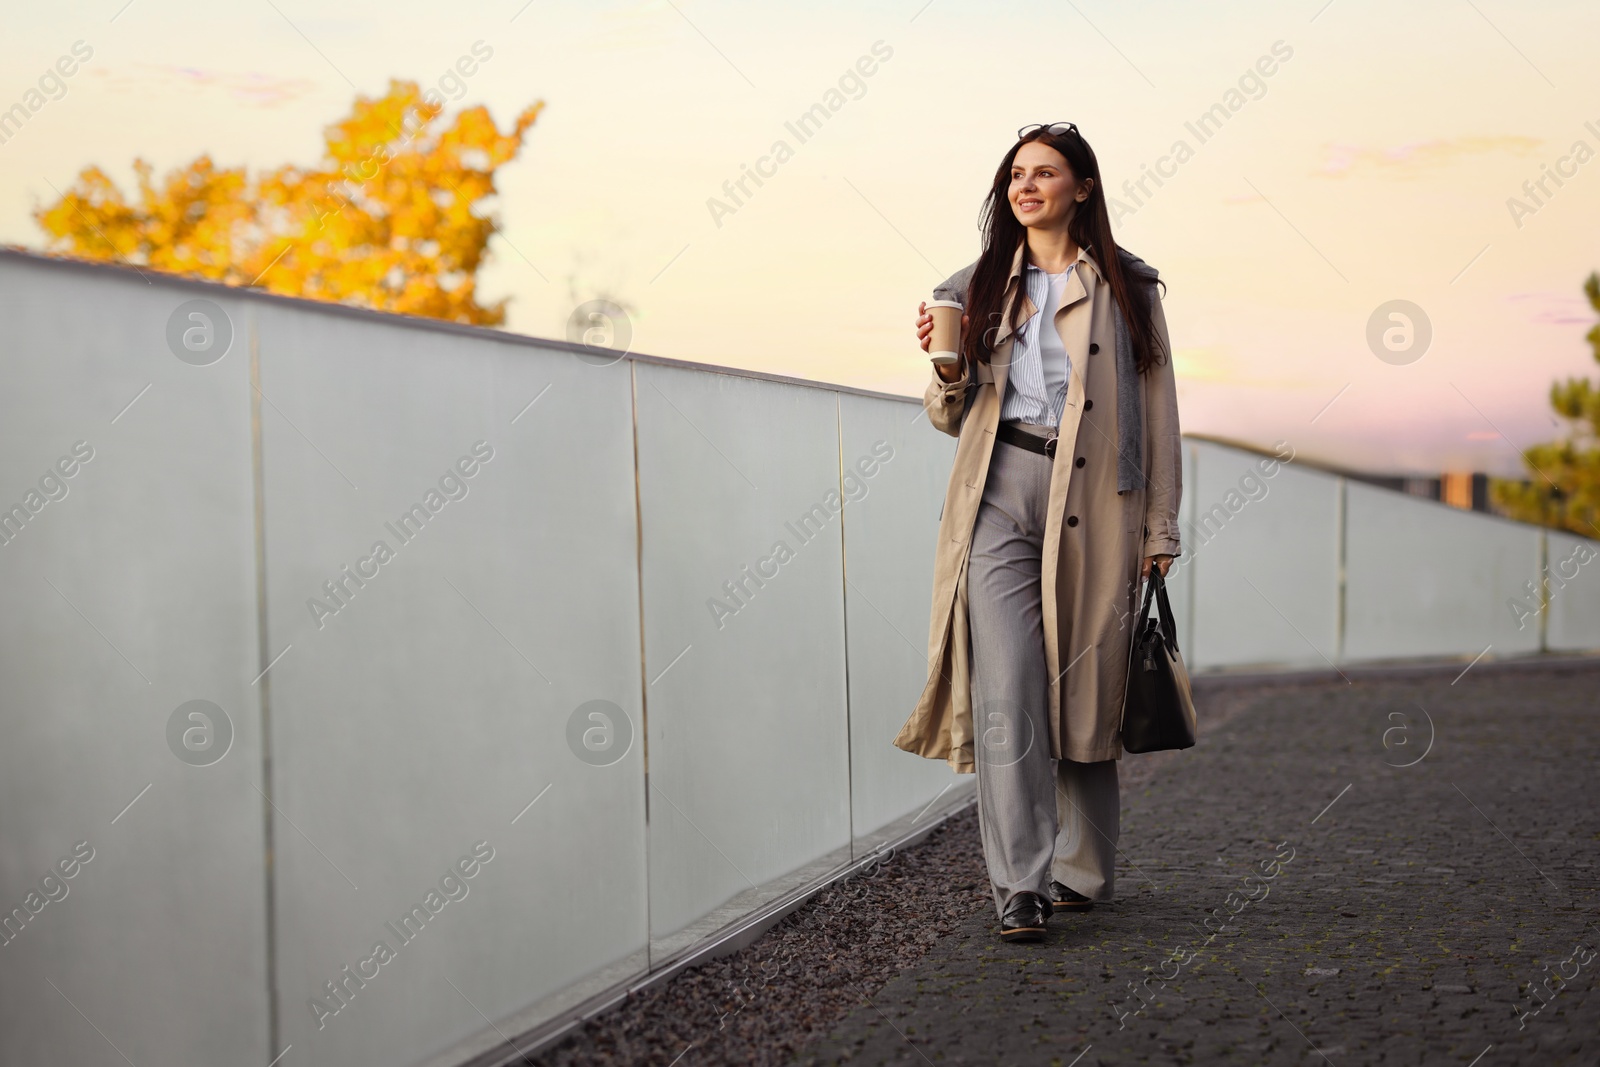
(1064, 491)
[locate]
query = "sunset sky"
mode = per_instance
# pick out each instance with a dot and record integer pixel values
(1375, 163)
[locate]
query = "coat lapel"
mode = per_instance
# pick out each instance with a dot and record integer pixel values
(1073, 292)
(1003, 339)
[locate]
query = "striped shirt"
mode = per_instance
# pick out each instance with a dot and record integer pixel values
(1036, 385)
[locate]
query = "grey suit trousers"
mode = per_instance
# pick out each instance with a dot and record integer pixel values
(1040, 818)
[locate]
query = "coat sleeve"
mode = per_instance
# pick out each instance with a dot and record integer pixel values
(1164, 491)
(946, 402)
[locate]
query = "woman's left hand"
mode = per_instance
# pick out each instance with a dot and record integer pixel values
(1162, 562)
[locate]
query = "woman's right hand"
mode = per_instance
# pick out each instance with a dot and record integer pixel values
(948, 371)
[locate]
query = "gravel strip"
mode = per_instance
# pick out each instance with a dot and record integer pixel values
(760, 1005)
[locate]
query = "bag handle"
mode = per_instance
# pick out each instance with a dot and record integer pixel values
(1156, 587)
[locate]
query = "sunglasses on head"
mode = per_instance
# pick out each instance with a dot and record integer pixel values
(1054, 127)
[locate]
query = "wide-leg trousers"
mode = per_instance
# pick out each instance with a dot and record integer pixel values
(1040, 818)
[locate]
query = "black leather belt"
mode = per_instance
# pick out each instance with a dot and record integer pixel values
(1013, 434)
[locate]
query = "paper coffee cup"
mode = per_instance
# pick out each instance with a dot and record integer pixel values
(944, 343)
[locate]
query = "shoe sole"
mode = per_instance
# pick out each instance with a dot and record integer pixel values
(1067, 905)
(1023, 933)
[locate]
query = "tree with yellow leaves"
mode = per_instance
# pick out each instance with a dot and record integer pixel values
(387, 221)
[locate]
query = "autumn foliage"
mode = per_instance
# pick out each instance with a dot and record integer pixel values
(386, 221)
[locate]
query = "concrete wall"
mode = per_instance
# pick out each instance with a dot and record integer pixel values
(1572, 588)
(485, 690)
(1287, 566)
(126, 598)
(531, 665)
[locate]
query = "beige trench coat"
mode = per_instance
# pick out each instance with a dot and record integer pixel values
(1094, 537)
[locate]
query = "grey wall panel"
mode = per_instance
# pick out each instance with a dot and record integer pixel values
(1262, 545)
(1180, 577)
(433, 706)
(127, 597)
(894, 470)
(1573, 569)
(746, 701)
(1425, 579)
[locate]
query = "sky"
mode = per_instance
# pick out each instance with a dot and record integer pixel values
(1382, 159)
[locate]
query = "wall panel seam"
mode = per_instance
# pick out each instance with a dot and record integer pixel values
(844, 611)
(264, 681)
(644, 671)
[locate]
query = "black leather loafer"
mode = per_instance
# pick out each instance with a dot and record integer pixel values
(1024, 920)
(1064, 899)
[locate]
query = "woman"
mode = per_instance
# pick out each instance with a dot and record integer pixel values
(1042, 548)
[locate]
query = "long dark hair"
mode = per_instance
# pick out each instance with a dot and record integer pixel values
(1090, 228)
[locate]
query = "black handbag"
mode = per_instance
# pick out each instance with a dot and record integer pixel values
(1157, 706)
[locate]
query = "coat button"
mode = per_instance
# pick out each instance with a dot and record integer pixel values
(1087, 404)
(1072, 520)
(1093, 348)
(1080, 462)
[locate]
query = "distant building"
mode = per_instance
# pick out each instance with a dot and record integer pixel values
(1467, 490)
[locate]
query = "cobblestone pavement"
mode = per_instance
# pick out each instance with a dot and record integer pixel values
(1394, 870)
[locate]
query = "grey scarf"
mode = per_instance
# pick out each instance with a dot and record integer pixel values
(1130, 416)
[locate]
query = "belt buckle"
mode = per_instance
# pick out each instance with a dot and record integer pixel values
(1050, 446)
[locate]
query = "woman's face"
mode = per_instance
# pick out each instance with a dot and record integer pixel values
(1043, 191)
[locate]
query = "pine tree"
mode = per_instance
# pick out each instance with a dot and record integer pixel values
(1564, 490)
